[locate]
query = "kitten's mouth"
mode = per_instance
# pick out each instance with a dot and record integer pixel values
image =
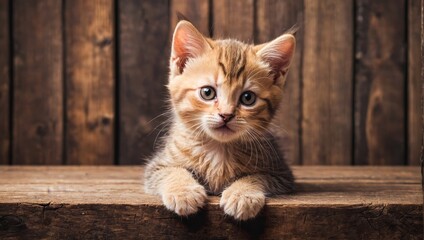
(222, 132)
(224, 129)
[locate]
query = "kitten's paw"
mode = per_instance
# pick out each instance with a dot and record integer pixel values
(185, 200)
(240, 204)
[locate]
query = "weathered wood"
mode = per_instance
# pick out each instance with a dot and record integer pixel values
(143, 71)
(38, 82)
(4, 82)
(196, 11)
(90, 83)
(327, 82)
(380, 82)
(233, 19)
(274, 17)
(422, 98)
(108, 202)
(414, 83)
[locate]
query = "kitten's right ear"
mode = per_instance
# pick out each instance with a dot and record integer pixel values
(187, 42)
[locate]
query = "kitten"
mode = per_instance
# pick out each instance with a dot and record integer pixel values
(224, 94)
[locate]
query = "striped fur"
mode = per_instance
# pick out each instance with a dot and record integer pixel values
(242, 164)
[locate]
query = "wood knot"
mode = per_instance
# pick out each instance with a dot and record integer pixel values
(105, 120)
(42, 130)
(104, 42)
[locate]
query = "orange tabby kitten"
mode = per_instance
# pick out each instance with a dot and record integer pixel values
(224, 94)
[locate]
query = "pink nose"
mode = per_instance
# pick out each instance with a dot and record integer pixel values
(226, 117)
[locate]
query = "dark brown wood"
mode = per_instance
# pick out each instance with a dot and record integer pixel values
(196, 11)
(422, 99)
(38, 82)
(108, 202)
(327, 82)
(90, 86)
(380, 82)
(233, 19)
(143, 70)
(414, 90)
(274, 17)
(4, 82)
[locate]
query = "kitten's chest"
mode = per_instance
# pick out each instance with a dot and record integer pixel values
(215, 167)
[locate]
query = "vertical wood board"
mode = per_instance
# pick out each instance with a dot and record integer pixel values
(143, 71)
(233, 19)
(196, 11)
(90, 83)
(380, 83)
(4, 82)
(327, 83)
(38, 82)
(414, 82)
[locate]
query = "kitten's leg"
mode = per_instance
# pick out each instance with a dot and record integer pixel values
(180, 192)
(245, 198)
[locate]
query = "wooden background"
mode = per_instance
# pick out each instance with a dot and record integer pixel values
(81, 81)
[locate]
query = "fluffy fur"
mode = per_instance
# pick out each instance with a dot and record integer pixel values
(222, 145)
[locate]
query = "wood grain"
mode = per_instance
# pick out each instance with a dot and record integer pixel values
(196, 11)
(4, 82)
(327, 82)
(233, 19)
(380, 83)
(143, 71)
(275, 17)
(38, 82)
(108, 202)
(90, 82)
(414, 84)
(422, 98)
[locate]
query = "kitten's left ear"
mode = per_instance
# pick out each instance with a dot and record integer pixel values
(278, 54)
(187, 43)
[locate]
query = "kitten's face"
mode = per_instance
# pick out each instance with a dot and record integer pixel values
(225, 90)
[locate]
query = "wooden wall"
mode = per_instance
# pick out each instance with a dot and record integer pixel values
(82, 82)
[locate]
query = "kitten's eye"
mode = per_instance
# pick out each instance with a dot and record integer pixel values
(207, 93)
(248, 98)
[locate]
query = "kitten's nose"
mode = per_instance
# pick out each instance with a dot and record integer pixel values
(226, 117)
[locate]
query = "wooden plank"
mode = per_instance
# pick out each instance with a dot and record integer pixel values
(38, 82)
(196, 11)
(327, 82)
(422, 98)
(233, 19)
(90, 83)
(414, 90)
(108, 202)
(380, 83)
(143, 71)
(274, 17)
(4, 82)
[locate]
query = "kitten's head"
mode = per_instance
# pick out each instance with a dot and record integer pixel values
(226, 89)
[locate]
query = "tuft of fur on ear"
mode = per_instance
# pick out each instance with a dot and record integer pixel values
(187, 42)
(278, 54)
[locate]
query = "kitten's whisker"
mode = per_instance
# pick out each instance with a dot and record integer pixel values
(158, 134)
(272, 148)
(261, 141)
(166, 122)
(256, 144)
(167, 112)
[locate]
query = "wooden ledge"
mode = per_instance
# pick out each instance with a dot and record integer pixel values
(109, 203)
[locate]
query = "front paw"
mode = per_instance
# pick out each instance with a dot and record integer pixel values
(184, 200)
(241, 204)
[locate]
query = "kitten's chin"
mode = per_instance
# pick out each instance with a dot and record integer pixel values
(223, 134)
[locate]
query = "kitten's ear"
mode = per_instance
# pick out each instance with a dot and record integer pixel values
(278, 54)
(187, 42)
